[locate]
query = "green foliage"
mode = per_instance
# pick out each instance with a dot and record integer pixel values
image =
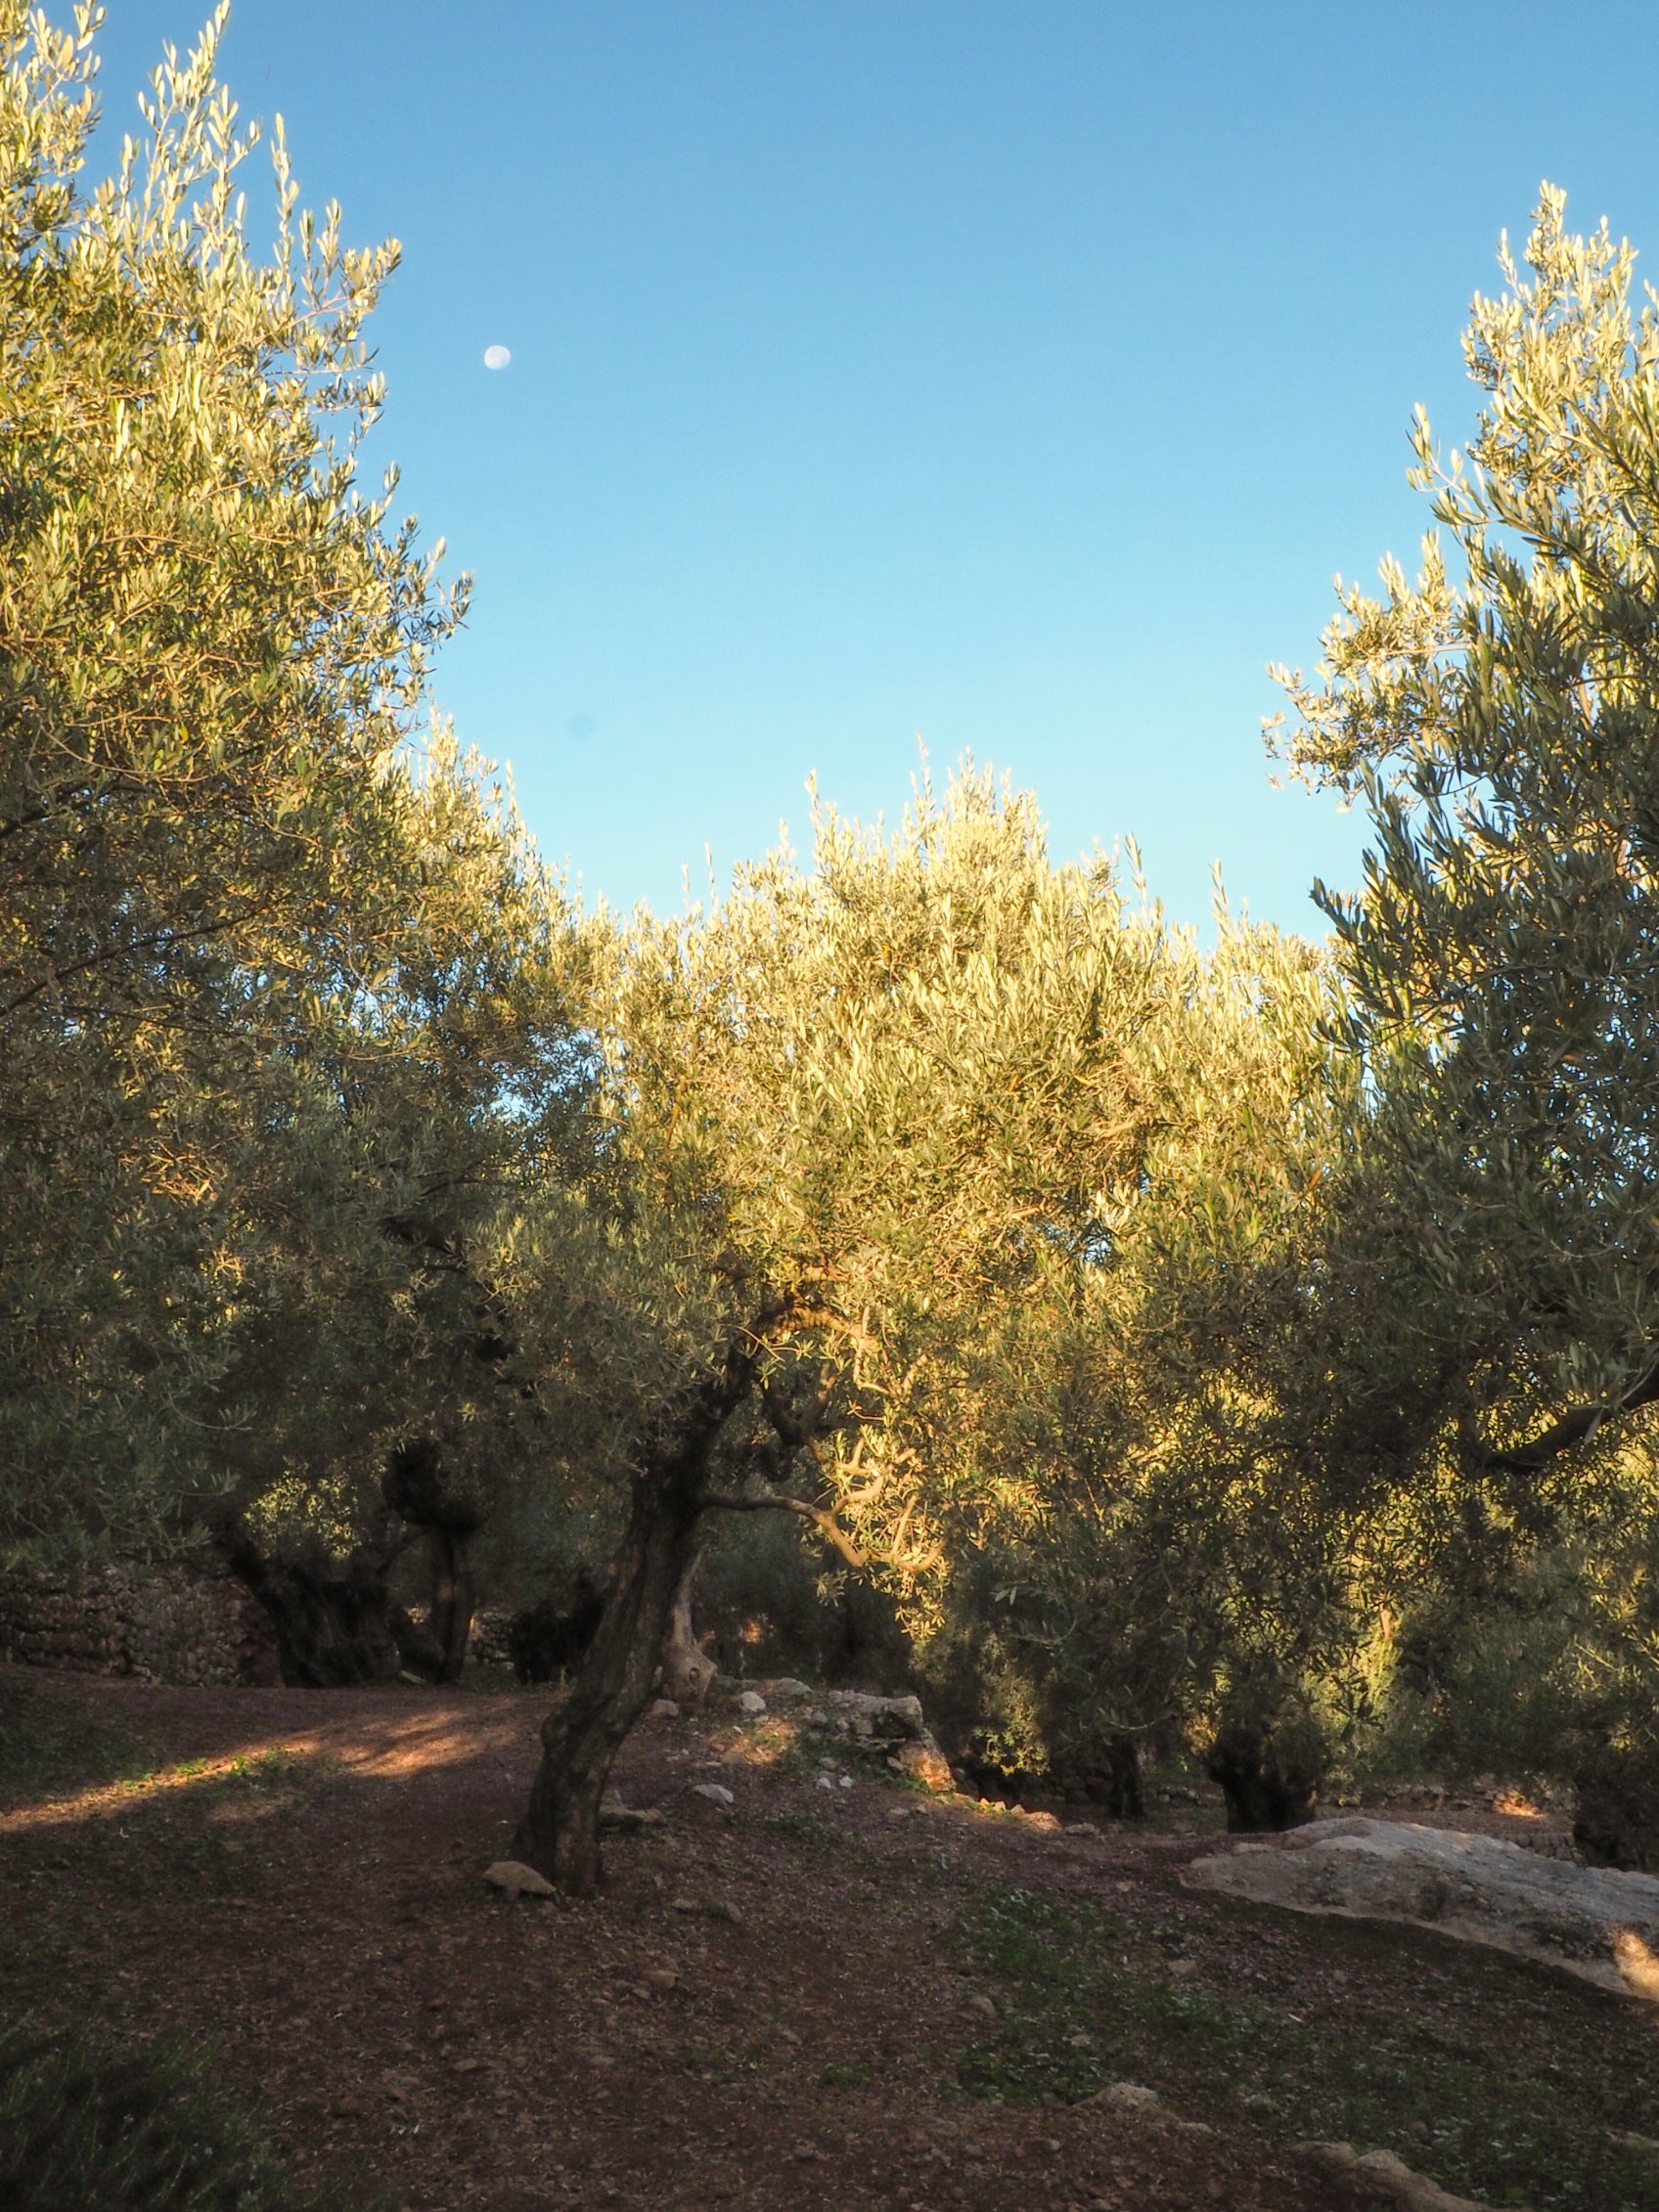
(275, 960)
(1541, 1672)
(84, 2125)
(1026, 1184)
(1499, 717)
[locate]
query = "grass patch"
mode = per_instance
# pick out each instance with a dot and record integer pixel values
(83, 2127)
(1497, 2107)
(255, 1772)
(50, 1747)
(816, 1835)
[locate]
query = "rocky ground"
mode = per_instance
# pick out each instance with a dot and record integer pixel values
(832, 1990)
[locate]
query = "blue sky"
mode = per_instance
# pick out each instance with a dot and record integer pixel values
(1012, 377)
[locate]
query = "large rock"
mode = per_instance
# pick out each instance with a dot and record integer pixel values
(1597, 1923)
(1388, 2175)
(886, 1719)
(517, 1879)
(899, 1723)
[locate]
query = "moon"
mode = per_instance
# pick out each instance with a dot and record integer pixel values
(496, 357)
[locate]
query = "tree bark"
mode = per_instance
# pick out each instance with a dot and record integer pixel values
(417, 1487)
(449, 1617)
(558, 1834)
(335, 1622)
(687, 1673)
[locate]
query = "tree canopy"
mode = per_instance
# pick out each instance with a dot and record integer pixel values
(1190, 1342)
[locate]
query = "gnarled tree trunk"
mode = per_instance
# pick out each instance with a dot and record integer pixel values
(558, 1834)
(687, 1669)
(336, 1625)
(449, 1617)
(337, 1621)
(417, 1487)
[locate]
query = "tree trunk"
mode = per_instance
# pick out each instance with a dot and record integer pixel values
(1270, 1776)
(449, 1617)
(334, 1620)
(558, 1834)
(1116, 1781)
(687, 1673)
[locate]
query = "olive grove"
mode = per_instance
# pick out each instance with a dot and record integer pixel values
(1236, 1351)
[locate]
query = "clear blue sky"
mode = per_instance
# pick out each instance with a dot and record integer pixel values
(1014, 376)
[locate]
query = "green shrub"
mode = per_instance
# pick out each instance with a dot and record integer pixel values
(85, 2127)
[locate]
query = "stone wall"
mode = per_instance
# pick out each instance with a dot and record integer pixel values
(175, 1623)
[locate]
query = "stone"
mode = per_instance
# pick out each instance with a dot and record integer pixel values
(927, 1764)
(1127, 2097)
(892, 1719)
(662, 1977)
(788, 1689)
(982, 2005)
(517, 1879)
(713, 1908)
(185, 1622)
(1591, 1921)
(847, 1782)
(664, 1708)
(898, 1725)
(752, 1701)
(824, 1782)
(628, 1820)
(1388, 2175)
(716, 1793)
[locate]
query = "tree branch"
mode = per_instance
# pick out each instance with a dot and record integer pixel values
(820, 1516)
(1577, 1426)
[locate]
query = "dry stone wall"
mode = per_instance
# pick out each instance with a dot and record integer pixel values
(175, 1623)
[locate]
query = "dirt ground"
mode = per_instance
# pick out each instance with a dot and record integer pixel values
(766, 2007)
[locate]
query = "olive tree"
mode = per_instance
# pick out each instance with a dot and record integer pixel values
(1491, 1295)
(1500, 718)
(276, 970)
(857, 1112)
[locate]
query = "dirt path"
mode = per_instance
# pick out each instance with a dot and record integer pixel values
(768, 2007)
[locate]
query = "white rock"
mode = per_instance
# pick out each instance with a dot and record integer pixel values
(896, 1718)
(786, 1687)
(1389, 2175)
(824, 1782)
(1597, 1923)
(752, 1701)
(517, 1879)
(664, 1708)
(847, 1782)
(716, 1793)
